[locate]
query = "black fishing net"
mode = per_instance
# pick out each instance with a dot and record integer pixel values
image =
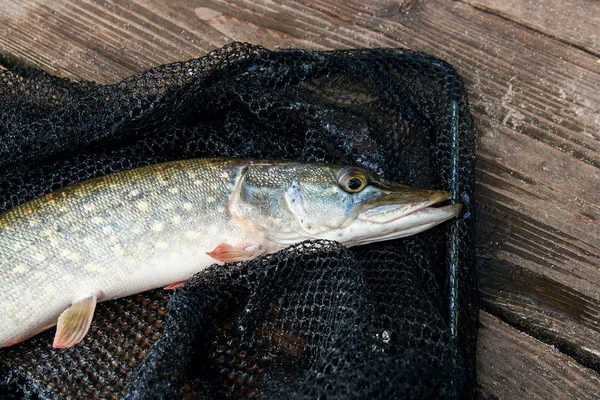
(395, 319)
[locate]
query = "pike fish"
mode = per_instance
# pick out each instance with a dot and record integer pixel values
(156, 226)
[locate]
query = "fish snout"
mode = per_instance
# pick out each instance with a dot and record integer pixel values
(403, 203)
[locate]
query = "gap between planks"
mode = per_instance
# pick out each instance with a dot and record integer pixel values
(574, 23)
(519, 366)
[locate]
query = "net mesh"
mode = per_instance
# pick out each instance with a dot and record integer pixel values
(317, 320)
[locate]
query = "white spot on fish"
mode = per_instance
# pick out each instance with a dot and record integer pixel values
(89, 207)
(69, 255)
(142, 205)
(88, 241)
(193, 235)
(107, 229)
(187, 206)
(176, 219)
(158, 227)
(19, 269)
(48, 232)
(161, 245)
(50, 290)
(197, 182)
(40, 276)
(118, 250)
(211, 199)
(134, 192)
(8, 307)
(97, 220)
(92, 267)
(39, 257)
(174, 190)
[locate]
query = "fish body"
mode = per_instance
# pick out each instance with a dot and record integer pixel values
(158, 225)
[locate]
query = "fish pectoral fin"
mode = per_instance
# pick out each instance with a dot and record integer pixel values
(227, 253)
(174, 285)
(74, 323)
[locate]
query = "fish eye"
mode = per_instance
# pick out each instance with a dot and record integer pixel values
(352, 180)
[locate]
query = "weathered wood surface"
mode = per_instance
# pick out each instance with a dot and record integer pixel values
(574, 22)
(532, 71)
(539, 371)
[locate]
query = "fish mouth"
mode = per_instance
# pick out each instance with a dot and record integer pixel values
(427, 204)
(401, 218)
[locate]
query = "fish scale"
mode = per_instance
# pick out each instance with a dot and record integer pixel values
(156, 226)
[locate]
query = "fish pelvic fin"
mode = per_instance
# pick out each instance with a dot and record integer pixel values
(174, 286)
(227, 253)
(74, 323)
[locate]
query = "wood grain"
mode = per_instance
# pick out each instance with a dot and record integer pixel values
(573, 22)
(533, 79)
(517, 366)
(543, 308)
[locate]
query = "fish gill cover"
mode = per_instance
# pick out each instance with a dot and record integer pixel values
(396, 319)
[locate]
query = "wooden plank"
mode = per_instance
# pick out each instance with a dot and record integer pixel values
(574, 22)
(543, 308)
(86, 40)
(513, 365)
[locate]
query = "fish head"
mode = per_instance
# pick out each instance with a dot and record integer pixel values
(351, 205)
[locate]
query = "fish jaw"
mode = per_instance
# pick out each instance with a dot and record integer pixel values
(364, 231)
(402, 203)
